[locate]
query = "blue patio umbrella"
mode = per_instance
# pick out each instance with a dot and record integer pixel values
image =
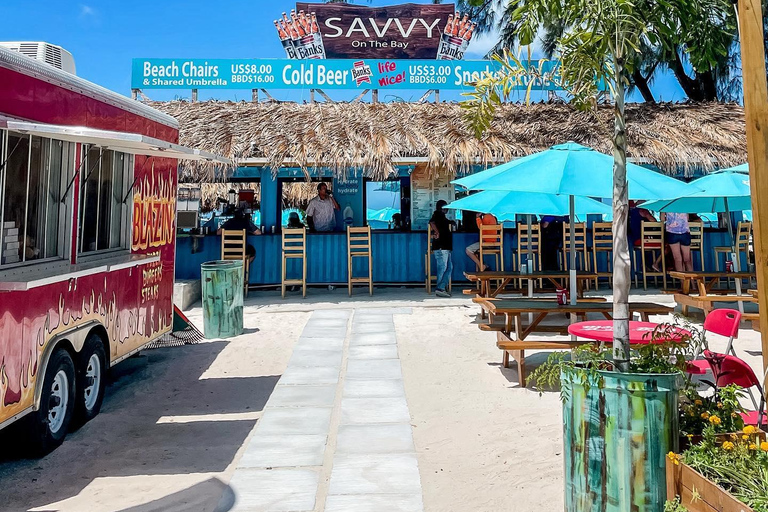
(506, 205)
(722, 191)
(571, 169)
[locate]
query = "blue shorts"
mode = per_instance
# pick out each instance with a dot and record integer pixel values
(679, 238)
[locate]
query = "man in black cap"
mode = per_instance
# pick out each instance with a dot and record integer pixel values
(442, 245)
(238, 222)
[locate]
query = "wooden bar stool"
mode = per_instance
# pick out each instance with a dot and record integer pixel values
(697, 240)
(579, 243)
(743, 232)
(602, 243)
(233, 247)
(492, 244)
(652, 241)
(429, 278)
(522, 247)
(359, 246)
(294, 247)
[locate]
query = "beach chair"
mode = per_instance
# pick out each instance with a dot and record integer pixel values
(652, 241)
(359, 246)
(294, 247)
(729, 369)
(602, 243)
(724, 322)
(492, 244)
(429, 278)
(697, 240)
(233, 245)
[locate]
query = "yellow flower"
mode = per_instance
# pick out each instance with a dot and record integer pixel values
(715, 420)
(734, 437)
(698, 402)
(749, 429)
(745, 437)
(764, 446)
(752, 446)
(728, 446)
(675, 458)
(705, 415)
(734, 415)
(719, 405)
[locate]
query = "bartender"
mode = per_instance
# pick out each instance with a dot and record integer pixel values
(321, 211)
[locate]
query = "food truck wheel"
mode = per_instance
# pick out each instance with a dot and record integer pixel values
(51, 421)
(92, 363)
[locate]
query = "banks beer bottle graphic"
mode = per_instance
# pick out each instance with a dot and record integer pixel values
(300, 36)
(455, 38)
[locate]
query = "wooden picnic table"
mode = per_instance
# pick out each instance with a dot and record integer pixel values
(702, 294)
(514, 309)
(486, 279)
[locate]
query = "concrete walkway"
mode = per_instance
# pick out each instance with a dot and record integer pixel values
(335, 435)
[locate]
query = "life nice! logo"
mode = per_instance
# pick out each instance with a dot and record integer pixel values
(361, 72)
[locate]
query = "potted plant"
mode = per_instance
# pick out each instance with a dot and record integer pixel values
(619, 426)
(728, 474)
(719, 412)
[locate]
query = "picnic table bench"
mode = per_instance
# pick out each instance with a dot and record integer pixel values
(511, 334)
(698, 289)
(558, 278)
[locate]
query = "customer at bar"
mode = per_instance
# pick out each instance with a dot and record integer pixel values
(239, 222)
(294, 222)
(442, 245)
(321, 211)
(551, 240)
(473, 250)
(678, 238)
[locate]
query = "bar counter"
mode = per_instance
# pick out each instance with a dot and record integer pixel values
(398, 256)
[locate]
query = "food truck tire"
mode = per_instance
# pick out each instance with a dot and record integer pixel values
(50, 422)
(91, 378)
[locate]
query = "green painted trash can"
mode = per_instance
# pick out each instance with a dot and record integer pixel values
(616, 435)
(222, 287)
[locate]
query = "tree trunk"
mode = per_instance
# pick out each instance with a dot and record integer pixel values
(621, 264)
(641, 83)
(691, 87)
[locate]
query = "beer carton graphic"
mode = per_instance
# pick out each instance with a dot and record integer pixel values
(300, 36)
(361, 72)
(456, 37)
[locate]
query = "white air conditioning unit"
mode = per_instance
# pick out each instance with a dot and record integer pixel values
(51, 54)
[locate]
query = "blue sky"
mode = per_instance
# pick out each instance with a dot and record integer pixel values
(104, 36)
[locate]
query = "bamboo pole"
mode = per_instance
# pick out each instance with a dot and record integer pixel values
(756, 118)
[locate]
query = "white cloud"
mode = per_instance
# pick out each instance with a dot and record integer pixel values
(86, 10)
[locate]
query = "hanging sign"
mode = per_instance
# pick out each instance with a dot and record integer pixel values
(320, 74)
(343, 31)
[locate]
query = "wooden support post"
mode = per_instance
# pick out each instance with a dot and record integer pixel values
(269, 96)
(375, 96)
(194, 95)
(756, 118)
(134, 94)
(311, 95)
(325, 96)
(255, 95)
(360, 96)
(437, 95)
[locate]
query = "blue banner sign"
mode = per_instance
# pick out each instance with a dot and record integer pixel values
(320, 74)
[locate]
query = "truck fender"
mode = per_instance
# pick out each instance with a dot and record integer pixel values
(76, 337)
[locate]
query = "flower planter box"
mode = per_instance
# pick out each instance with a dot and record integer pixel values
(686, 482)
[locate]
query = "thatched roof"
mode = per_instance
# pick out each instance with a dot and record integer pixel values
(375, 137)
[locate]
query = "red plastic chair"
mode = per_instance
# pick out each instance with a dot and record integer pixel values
(732, 370)
(724, 322)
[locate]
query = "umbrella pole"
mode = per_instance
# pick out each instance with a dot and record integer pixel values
(734, 254)
(572, 211)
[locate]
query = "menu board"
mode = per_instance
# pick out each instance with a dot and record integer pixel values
(426, 190)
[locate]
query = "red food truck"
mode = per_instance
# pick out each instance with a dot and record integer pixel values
(87, 226)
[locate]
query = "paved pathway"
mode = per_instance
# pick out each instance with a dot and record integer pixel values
(335, 435)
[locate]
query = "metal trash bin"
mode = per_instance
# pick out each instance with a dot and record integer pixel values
(222, 287)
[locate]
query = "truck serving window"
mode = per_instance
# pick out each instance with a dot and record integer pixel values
(103, 223)
(31, 215)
